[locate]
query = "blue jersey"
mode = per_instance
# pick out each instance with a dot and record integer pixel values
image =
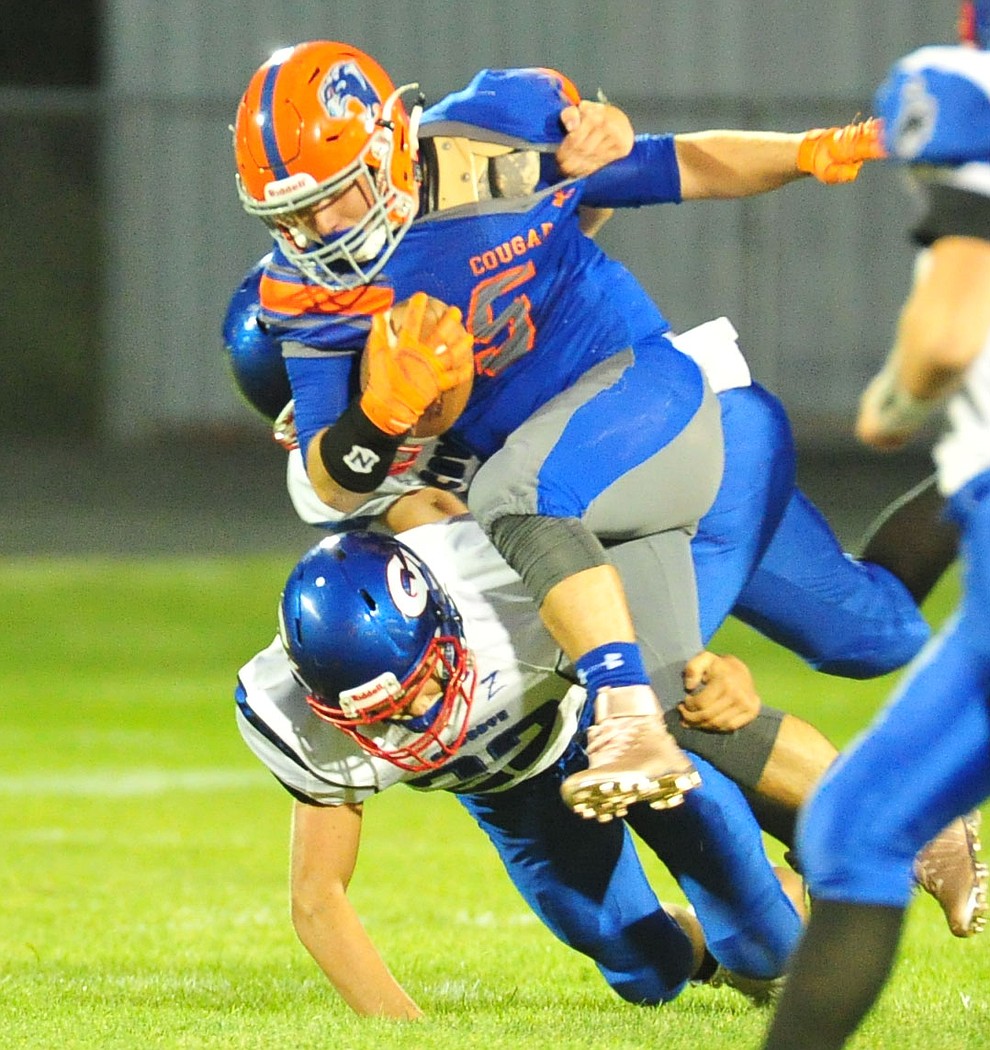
(543, 301)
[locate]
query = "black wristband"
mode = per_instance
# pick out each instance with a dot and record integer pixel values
(355, 453)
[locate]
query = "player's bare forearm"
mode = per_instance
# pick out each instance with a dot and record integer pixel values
(422, 507)
(723, 164)
(324, 851)
(946, 320)
(943, 326)
(727, 164)
(799, 759)
(333, 935)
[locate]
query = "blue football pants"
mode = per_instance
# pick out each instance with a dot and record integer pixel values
(586, 883)
(766, 554)
(857, 838)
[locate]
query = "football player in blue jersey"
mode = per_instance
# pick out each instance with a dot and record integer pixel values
(424, 662)
(761, 538)
(591, 427)
(856, 834)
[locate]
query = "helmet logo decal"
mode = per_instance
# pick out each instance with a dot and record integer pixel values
(286, 187)
(406, 586)
(916, 120)
(346, 92)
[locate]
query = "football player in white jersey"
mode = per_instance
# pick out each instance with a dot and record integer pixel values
(856, 836)
(424, 662)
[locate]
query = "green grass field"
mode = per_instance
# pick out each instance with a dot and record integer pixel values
(143, 855)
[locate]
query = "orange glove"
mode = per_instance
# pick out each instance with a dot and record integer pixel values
(409, 369)
(835, 155)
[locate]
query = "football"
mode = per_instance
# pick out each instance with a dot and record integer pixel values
(446, 410)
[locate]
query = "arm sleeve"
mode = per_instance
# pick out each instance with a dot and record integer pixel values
(649, 175)
(323, 385)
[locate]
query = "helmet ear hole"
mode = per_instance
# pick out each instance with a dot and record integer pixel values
(368, 600)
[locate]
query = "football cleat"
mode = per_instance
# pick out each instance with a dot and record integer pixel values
(631, 758)
(949, 869)
(759, 991)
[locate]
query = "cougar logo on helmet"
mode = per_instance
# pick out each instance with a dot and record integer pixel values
(346, 92)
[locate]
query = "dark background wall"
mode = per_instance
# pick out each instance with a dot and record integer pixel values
(51, 364)
(120, 236)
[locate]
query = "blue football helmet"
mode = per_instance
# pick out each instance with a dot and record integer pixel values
(255, 357)
(368, 628)
(974, 23)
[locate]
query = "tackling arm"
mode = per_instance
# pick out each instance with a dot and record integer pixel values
(943, 325)
(422, 507)
(705, 165)
(721, 164)
(324, 851)
(726, 164)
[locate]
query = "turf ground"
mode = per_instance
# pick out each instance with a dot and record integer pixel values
(143, 854)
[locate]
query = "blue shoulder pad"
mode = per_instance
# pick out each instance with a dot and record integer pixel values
(935, 105)
(519, 104)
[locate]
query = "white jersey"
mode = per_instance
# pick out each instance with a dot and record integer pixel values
(523, 717)
(963, 451)
(935, 104)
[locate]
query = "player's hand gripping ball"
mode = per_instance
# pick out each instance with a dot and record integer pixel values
(417, 369)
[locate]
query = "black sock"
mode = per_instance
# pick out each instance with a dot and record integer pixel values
(836, 974)
(911, 539)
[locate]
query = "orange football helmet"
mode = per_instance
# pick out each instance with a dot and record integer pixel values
(315, 120)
